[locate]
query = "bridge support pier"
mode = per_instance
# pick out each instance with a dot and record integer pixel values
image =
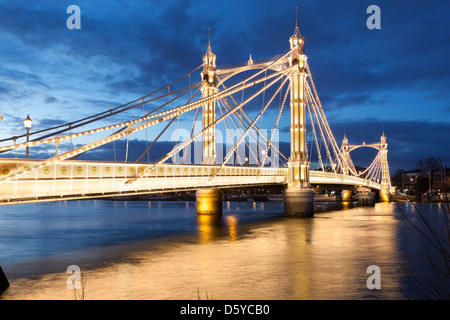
(347, 195)
(394, 193)
(385, 196)
(365, 197)
(209, 202)
(298, 202)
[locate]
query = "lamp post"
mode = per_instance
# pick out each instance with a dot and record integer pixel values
(28, 123)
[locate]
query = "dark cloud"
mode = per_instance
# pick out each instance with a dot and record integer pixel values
(50, 100)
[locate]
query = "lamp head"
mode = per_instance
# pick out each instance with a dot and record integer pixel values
(28, 122)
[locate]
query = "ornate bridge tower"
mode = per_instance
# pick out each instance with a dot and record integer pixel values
(209, 201)
(385, 194)
(298, 195)
(209, 109)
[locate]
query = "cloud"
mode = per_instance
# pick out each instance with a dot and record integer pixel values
(50, 100)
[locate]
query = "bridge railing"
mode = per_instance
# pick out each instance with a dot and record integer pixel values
(321, 177)
(87, 179)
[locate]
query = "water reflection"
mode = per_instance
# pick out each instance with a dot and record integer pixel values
(243, 254)
(232, 227)
(210, 227)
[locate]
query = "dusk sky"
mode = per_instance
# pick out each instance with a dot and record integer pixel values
(396, 77)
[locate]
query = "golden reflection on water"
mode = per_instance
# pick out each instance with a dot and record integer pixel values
(325, 257)
(232, 227)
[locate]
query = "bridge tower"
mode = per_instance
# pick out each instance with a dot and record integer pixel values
(298, 195)
(345, 194)
(209, 87)
(385, 193)
(209, 201)
(345, 155)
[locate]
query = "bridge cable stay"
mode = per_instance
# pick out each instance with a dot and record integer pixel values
(225, 101)
(241, 113)
(165, 128)
(321, 126)
(114, 142)
(245, 124)
(235, 88)
(98, 116)
(248, 129)
(244, 117)
(110, 112)
(126, 125)
(122, 125)
(334, 153)
(219, 102)
(232, 111)
(164, 115)
(146, 129)
(275, 126)
(315, 139)
(220, 119)
(192, 131)
(161, 116)
(185, 153)
(327, 128)
(247, 120)
(227, 105)
(374, 169)
(252, 135)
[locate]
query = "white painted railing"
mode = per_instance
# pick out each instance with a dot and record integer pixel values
(87, 179)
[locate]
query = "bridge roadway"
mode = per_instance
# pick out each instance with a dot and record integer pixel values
(76, 179)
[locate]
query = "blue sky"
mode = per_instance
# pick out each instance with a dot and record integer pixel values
(396, 78)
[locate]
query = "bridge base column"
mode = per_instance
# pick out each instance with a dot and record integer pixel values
(347, 196)
(394, 193)
(209, 201)
(365, 197)
(385, 196)
(298, 202)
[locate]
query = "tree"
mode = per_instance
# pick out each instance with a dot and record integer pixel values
(424, 165)
(432, 164)
(422, 185)
(437, 252)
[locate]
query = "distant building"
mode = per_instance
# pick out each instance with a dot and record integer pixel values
(437, 181)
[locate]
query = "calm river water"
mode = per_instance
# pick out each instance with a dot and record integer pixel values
(163, 250)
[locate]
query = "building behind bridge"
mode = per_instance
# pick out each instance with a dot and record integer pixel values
(433, 184)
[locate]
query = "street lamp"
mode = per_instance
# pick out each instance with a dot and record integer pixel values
(28, 123)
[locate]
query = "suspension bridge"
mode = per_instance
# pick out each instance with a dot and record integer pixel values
(230, 99)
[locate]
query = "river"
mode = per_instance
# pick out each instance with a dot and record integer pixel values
(163, 250)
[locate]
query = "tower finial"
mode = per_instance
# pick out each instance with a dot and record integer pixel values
(297, 30)
(209, 50)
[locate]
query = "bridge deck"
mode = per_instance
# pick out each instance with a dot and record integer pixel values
(75, 179)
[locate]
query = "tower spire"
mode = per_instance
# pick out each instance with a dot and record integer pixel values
(297, 29)
(209, 50)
